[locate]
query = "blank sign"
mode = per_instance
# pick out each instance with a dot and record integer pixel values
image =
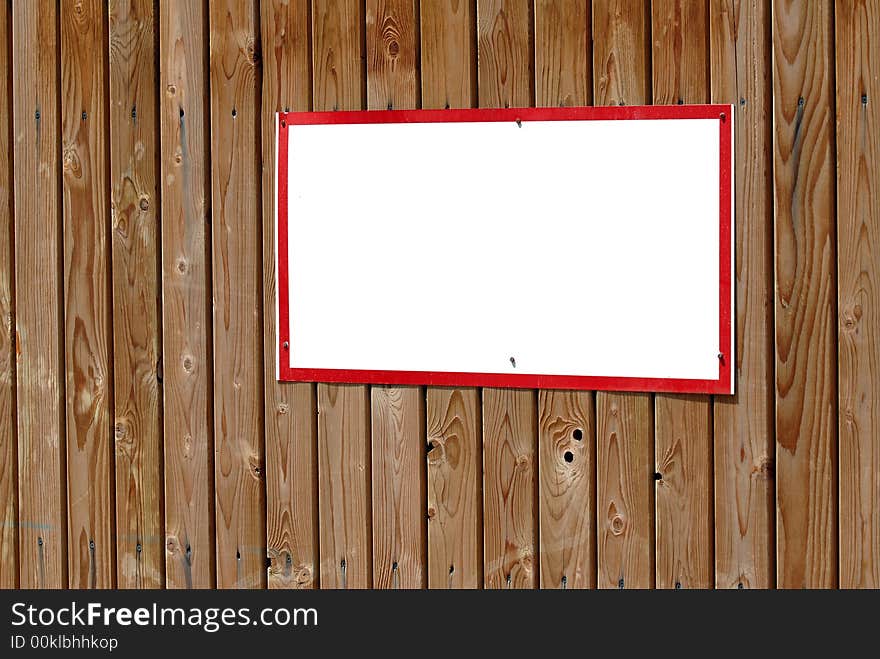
(584, 248)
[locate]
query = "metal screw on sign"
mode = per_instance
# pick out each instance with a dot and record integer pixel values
(513, 362)
(519, 123)
(283, 123)
(285, 345)
(723, 117)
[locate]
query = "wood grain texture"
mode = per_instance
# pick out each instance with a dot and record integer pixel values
(624, 422)
(566, 419)
(683, 492)
(186, 296)
(455, 532)
(563, 38)
(567, 488)
(505, 60)
(621, 52)
(8, 443)
(290, 408)
(806, 378)
(397, 413)
(510, 528)
(338, 55)
(448, 54)
(857, 42)
(39, 271)
(344, 486)
(683, 432)
(743, 424)
(453, 416)
(88, 333)
(134, 206)
(238, 319)
(398, 486)
(339, 83)
(625, 491)
(392, 54)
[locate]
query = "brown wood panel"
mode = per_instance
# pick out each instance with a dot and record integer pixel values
(567, 488)
(621, 52)
(563, 37)
(238, 319)
(454, 480)
(291, 408)
(398, 422)
(625, 491)
(566, 419)
(683, 431)
(134, 206)
(684, 492)
(87, 313)
(344, 486)
(510, 523)
(857, 42)
(186, 296)
(344, 516)
(806, 354)
(8, 444)
(448, 54)
(39, 268)
(455, 531)
(398, 485)
(743, 423)
(624, 422)
(505, 58)
(510, 528)
(392, 54)
(338, 75)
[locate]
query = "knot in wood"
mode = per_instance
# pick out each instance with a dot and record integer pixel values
(432, 512)
(618, 525)
(144, 203)
(393, 48)
(120, 431)
(283, 408)
(171, 544)
(187, 363)
(522, 462)
(171, 90)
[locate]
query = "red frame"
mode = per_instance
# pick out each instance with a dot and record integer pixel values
(722, 385)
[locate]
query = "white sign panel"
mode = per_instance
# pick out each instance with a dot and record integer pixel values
(584, 248)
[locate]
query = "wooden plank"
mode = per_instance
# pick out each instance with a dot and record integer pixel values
(567, 419)
(238, 321)
(448, 54)
(743, 424)
(624, 486)
(398, 479)
(344, 486)
(39, 264)
(563, 71)
(392, 53)
(684, 492)
(509, 489)
(510, 527)
(567, 466)
(133, 212)
(455, 549)
(806, 390)
(624, 422)
(338, 76)
(291, 408)
(683, 431)
(398, 413)
(857, 27)
(505, 57)
(454, 497)
(186, 296)
(88, 349)
(621, 53)
(339, 83)
(8, 444)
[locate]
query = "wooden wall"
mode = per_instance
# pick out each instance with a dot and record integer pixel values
(144, 441)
